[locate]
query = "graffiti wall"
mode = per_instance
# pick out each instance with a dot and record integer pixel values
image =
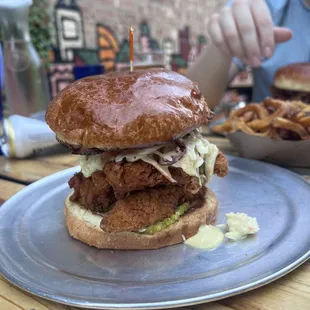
(96, 32)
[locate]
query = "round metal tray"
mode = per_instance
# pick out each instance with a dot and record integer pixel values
(38, 255)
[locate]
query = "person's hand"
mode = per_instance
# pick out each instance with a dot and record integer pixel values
(246, 31)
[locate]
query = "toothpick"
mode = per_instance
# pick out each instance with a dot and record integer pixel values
(131, 56)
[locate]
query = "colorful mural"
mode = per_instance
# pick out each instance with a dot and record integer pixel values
(60, 76)
(69, 44)
(69, 30)
(146, 41)
(168, 48)
(108, 46)
(85, 56)
(70, 48)
(122, 57)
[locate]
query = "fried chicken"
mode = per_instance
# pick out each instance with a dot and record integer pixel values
(142, 209)
(129, 177)
(221, 165)
(94, 193)
(189, 183)
(75, 183)
(118, 180)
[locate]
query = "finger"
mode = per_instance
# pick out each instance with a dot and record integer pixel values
(246, 27)
(216, 35)
(230, 33)
(282, 34)
(264, 27)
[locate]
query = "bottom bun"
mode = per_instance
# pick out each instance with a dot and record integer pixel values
(85, 226)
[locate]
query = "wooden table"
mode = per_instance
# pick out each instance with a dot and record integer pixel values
(289, 292)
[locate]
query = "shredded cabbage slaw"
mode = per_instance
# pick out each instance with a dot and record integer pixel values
(199, 152)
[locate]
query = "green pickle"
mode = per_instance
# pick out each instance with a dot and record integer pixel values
(166, 222)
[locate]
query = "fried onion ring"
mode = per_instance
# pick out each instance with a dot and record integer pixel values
(305, 121)
(222, 128)
(251, 107)
(280, 122)
(272, 118)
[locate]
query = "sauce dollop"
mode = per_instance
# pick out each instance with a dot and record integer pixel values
(208, 238)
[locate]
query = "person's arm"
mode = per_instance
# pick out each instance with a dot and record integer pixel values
(244, 30)
(212, 71)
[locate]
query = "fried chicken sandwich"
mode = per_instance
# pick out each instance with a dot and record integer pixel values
(144, 164)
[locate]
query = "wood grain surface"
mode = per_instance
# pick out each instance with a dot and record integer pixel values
(33, 169)
(288, 293)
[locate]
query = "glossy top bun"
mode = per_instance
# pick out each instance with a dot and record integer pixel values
(293, 77)
(126, 110)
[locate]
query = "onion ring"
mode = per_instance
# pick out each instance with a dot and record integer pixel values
(280, 122)
(251, 107)
(271, 118)
(225, 127)
(305, 121)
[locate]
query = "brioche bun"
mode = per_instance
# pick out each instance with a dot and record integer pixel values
(85, 226)
(126, 110)
(293, 77)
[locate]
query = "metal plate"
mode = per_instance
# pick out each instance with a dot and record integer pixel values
(37, 254)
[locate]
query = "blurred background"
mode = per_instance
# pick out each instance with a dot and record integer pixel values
(75, 38)
(47, 44)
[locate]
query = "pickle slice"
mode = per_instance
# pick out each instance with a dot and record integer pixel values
(159, 226)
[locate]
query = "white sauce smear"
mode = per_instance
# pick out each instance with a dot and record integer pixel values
(208, 238)
(239, 226)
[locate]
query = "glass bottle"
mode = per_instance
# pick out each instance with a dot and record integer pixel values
(25, 79)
